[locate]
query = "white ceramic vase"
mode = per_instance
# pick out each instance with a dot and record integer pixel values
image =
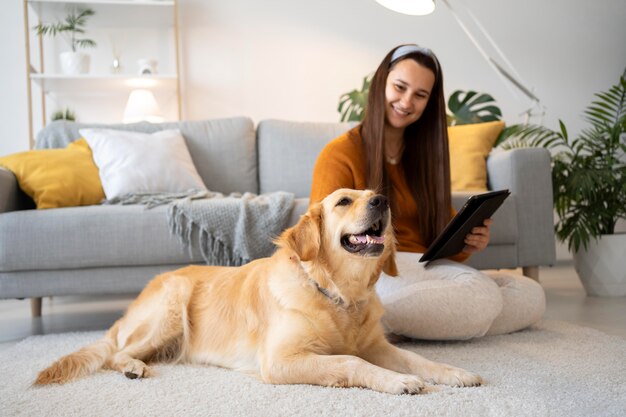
(73, 63)
(602, 266)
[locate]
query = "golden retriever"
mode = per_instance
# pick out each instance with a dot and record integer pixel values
(309, 314)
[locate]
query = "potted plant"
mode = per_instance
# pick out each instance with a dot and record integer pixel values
(589, 185)
(65, 114)
(74, 61)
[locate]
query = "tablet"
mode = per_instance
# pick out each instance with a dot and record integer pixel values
(452, 239)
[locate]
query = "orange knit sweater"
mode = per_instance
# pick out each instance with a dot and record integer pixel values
(341, 164)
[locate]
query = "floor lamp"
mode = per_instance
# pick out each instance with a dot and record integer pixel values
(509, 77)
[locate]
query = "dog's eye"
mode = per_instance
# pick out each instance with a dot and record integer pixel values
(344, 202)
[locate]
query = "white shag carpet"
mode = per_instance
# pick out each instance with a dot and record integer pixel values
(552, 369)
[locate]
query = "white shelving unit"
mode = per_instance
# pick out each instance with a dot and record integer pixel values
(84, 84)
(116, 16)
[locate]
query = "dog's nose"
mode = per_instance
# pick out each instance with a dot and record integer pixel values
(379, 202)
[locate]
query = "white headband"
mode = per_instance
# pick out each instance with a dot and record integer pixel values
(408, 49)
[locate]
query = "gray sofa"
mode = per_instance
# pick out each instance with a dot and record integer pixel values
(117, 249)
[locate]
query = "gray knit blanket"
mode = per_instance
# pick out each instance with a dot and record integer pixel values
(228, 230)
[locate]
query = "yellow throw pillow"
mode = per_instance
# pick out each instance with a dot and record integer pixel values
(469, 147)
(57, 177)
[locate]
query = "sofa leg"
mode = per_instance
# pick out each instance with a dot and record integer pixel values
(35, 306)
(531, 272)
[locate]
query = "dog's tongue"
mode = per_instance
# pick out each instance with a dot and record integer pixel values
(367, 239)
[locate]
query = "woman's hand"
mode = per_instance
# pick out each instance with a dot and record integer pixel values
(478, 238)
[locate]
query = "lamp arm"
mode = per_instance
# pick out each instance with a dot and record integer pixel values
(514, 81)
(494, 65)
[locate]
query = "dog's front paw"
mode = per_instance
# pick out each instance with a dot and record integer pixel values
(456, 377)
(136, 369)
(406, 384)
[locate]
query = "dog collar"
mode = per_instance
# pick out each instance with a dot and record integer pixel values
(336, 299)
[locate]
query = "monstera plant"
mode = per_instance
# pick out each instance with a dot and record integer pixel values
(472, 107)
(589, 187)
(352, 104)
(464, 107)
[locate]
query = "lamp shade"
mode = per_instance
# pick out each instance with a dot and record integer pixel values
(411, 7)
(142, 106)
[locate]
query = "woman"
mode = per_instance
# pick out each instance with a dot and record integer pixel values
(401, 149)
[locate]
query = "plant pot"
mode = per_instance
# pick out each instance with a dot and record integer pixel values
(602, 266)
(73, 63)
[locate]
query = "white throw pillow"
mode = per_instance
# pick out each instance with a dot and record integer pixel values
(132, 162)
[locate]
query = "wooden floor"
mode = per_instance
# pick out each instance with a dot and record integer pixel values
(566, 301)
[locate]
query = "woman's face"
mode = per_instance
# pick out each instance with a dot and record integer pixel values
(408, 89)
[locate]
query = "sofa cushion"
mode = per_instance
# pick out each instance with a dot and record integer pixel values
(87, 237)
(115, 236)
(57, 177)
(288, 151)
(223, 150)
(134, 162)
(469, 147)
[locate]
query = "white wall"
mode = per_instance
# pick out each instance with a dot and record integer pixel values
(13, 102)
(292, 59)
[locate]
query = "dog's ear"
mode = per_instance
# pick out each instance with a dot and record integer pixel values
(389, 267)
(305, 237)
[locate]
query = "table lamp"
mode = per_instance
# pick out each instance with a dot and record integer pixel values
(142, 106)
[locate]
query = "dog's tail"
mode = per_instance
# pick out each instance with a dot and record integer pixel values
(75, 365)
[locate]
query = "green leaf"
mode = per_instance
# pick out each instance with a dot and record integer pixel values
(85, 43)
(563, 129)
(72, 25)
(472, 107)
(352, 105)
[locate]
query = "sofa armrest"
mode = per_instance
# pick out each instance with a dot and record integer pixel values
(11, 196)
(526, 172)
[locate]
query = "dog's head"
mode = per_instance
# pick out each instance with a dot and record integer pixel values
(349, 232)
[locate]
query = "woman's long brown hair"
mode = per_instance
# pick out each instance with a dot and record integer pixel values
(425, 161)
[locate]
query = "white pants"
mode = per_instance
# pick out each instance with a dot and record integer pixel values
(451, 301)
